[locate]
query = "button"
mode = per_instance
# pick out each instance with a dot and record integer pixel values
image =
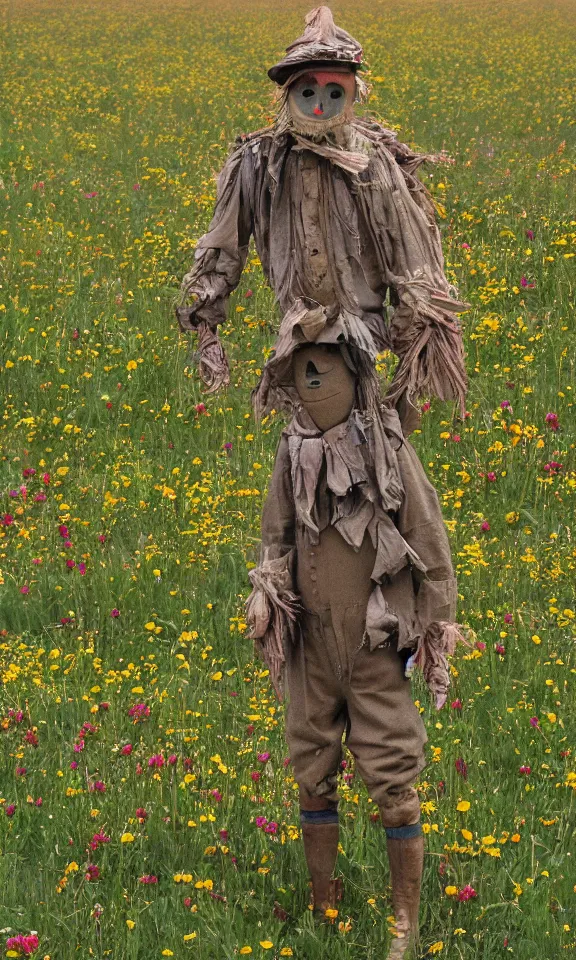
(313, 577)
(312, 554)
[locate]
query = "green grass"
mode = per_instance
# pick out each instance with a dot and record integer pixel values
(114, 119)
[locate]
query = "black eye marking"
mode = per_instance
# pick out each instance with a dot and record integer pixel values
(307, 92)
(336, 94)
(310, 369)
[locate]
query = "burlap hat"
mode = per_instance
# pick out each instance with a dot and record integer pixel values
(321, 44)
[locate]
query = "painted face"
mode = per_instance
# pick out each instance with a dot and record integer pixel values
(325, 385)
(322, 97)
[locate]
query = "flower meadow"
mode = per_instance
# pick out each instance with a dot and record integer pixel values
(147, 803)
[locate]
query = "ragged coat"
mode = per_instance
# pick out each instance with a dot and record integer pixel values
(329, 538)
(340, 225)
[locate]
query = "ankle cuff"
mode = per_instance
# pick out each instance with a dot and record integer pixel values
(319, 816)
(404, 833)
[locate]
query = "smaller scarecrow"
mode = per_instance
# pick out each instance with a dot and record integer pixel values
(355, 586)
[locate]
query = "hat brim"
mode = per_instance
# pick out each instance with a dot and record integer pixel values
(280, 72)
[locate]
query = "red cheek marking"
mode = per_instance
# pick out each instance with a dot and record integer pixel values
(318, 111)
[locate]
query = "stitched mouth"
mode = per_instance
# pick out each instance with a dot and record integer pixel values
(320, 399)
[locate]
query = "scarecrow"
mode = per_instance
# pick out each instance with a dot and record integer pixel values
(355, 586)
(337, 215)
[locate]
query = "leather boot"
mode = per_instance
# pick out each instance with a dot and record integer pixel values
(406, 860)
(321, 850)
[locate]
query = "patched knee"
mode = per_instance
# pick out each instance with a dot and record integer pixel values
(400, 809)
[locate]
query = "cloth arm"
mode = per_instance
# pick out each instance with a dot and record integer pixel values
(219, 260)
(420, 523)
(272, 609)
(423, 330)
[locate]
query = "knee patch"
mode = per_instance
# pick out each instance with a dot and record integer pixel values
(319, 816)
(401, 809)
(404, 833)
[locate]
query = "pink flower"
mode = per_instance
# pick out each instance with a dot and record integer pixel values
(467, 893)
(261, 822)
(82, 569)
(10, 809)
(46, 478)
(25, 589)
(552, 421)
(73, 764)
(156, 761)
(485, 526)
(534, 721)
(148, 878)
(217, 795)
(70, 564)
(456, 438)
(98, 786)
(92, 872)
(263, 757)
(505, 404)
(480, 645)
(23, 945)
(139, 711)
(525, 770)
(500, 648)
(172, 759)
(491, 476)
(456, 705)
(508, 618)
(466, 246)
(114, 613)
(102, 538)
(126, 750)
(63, 531)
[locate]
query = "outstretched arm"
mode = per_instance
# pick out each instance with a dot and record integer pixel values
(218, 263)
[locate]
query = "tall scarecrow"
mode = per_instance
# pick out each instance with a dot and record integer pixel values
(355, 584)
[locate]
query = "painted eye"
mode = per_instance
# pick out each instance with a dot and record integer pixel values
(336, 94)
(307, 92)
(311, 370)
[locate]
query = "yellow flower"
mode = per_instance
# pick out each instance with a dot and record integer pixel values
(127, 838)
(467, 834)
(217, 675)
(167, 953)
(130, 924)
(245, 950)
(436, 947)
(150, 625)
(286, 952)
(330, 913)
(451, 891)
(463, 806)
(131, 365)
(190, 936)
(266, 944)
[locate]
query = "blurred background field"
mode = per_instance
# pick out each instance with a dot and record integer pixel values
(147, 807)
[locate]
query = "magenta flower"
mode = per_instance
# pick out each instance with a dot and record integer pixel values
(63, 531)
(82, 569)
(500, 648)
(271, 827)
(263, 757)
(530, 234)
(126, 750)
(461, 768)
(114, 613)
(73, 764)
(525, 770)
(92, 872)
(172, 759)
(508, 618)
(217, 795)
(10, 809)
(223, 835)
(456, 705)
(491, 477)
(485, 526)
(139, 711)
(98, 786)
(156, 761)
(526, 283)
(534, 721)
(552, 421)
(148, 878)
(70, 564)
(505, 404)
(466, 893)
(261, 822)
(23, 945)
(7, 520)
(25, 589)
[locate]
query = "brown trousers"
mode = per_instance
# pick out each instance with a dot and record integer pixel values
(336, 684)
